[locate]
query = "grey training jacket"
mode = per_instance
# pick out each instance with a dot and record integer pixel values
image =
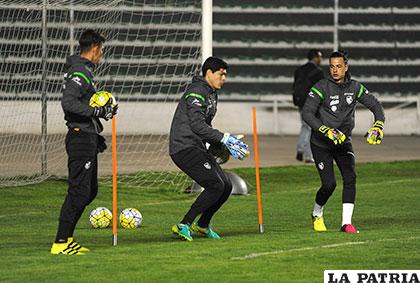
(333, 105)
(191, 124)
(78, 88)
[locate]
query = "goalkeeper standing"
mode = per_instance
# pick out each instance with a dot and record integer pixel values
(191, 129)
(329, 110)
(83, 141)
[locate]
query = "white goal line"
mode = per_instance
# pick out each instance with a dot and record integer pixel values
(278, 252)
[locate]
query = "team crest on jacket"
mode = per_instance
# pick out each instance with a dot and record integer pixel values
(334, 101)
(207, 165)
(349, 99)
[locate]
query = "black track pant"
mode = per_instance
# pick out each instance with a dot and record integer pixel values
(203, 169)
(344, 158)
(82, 180)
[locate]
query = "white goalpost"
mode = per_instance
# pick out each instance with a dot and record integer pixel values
(152, 51)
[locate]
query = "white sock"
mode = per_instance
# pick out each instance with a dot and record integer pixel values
(318, 210)
(347, 213)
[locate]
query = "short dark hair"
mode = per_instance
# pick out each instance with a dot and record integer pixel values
(313, 53)
(214, 64)
(340, 54)
(88, 38)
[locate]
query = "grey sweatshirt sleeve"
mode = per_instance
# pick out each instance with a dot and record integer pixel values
(72, 92)
(310, 108)
(196, 111)
(371, 102)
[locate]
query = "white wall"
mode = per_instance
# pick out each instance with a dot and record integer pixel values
(155, 118)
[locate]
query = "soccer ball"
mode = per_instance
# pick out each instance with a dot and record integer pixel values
(220, 153)
(102, 98)
(100, 217)
(130, 218)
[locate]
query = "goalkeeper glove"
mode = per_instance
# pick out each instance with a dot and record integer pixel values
(375, 134)
(237, 148)
(335, 135)
(106, 112)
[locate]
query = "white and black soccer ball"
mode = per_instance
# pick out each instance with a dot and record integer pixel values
(131, 218)
(100, 217)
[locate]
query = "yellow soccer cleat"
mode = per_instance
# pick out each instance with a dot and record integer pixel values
(318, 222)
(183, 231)
(64, 249)
(75, 245)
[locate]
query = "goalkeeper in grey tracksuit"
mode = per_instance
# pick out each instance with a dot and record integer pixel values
(191, 129)
(329, 111)
(83, 141)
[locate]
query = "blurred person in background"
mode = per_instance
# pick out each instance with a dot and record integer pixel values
(305, 77)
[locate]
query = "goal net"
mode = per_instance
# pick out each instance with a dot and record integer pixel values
(151, 53)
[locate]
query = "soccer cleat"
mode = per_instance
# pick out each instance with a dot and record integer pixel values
(209, 233)
(64, 249)
(75, 245)
(318, 223)
(349, 228)
(182, 230)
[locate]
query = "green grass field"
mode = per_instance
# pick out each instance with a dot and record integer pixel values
(387, 214)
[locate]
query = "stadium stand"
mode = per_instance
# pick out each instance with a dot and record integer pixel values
(264, 41)
(140, 41)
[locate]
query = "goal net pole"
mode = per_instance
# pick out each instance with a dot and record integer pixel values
(44, 160)
(114, 181)
(206, 29)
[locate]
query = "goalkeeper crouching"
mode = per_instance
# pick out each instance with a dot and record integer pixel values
(83, 142)
(329, 110)
(191, 129)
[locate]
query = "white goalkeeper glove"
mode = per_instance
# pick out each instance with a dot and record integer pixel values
(237, 148)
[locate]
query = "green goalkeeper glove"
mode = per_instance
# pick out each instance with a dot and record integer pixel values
(375, 134)
(335, 135)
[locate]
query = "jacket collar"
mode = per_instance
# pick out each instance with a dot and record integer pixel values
(346, 82)
(88, 63)
(76, 59)
(201, 80)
